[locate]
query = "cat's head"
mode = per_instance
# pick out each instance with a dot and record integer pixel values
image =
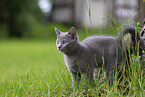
(66, 40)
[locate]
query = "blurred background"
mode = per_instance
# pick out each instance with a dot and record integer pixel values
(38, 18)
(27, 36)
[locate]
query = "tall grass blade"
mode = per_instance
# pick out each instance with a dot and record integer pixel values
(89, 13)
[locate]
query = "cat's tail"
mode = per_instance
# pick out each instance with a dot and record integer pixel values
(135, 38)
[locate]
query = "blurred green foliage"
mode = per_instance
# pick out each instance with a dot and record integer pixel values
(24, 19)
(18, 17)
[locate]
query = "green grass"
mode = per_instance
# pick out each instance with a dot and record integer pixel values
(27, 68)
(35, 68)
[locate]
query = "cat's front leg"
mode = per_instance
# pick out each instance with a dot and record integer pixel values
(76, 77)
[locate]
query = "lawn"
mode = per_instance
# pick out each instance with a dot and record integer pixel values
(35, 68)
(18, 57)
(26, 64)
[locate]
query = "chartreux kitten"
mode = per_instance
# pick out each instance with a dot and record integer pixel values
(82, 58)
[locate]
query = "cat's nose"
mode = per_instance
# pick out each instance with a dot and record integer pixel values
(59, 47)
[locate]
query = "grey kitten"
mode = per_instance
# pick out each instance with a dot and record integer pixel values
(82, 58)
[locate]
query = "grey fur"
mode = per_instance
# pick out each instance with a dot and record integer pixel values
(82, 58)
(132, 40)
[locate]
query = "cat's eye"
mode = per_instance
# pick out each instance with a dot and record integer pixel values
(57, 42)
(64, 42)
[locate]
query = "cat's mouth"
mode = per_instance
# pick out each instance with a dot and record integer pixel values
(61, 50)
(65, 51)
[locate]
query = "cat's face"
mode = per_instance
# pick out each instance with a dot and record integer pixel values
(65, 41)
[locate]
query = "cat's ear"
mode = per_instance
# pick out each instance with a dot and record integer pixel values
(57, 31)
(72, 32)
